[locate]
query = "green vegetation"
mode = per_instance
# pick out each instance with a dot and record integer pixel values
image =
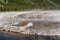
(11, 5)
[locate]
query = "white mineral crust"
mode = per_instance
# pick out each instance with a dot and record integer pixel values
(50, 18)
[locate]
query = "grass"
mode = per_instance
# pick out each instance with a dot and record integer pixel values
(29, 4)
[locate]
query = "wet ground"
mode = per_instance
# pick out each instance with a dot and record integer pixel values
(13, 36)
(17, 36)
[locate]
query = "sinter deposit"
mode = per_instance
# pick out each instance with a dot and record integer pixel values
(31, 22)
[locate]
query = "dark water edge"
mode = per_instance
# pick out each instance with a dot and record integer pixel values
(18, 36)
